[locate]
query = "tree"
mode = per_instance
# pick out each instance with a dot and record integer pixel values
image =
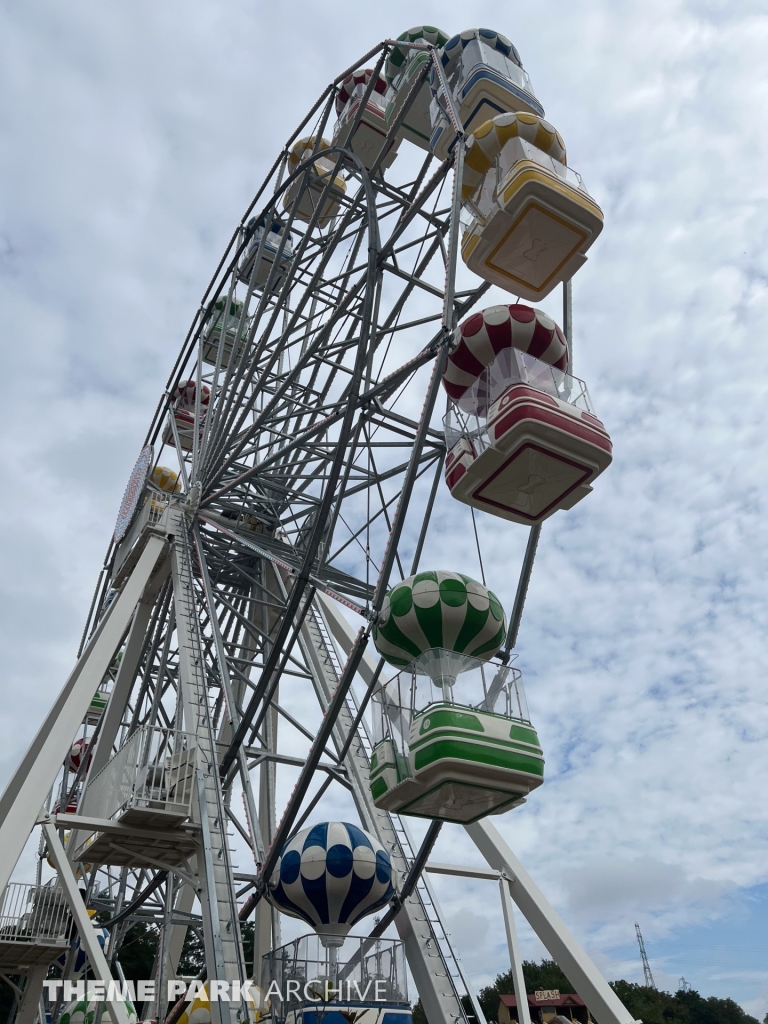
(419, 1017)
(654, 1007)
(192, 959)
(8, 999)
(644, 1003)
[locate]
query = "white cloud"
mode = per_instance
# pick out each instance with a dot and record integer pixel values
(135, 136)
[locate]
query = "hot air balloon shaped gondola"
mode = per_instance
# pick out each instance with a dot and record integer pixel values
(531, 218)
(331, 875)
(85, 1012)
(325, 188)
(78, 958)
(403, 68)
(199, 1010)
(523, 440)
(453, 740)
(485, 77)
(261, 253)
(79, 749)
(365, 140)
(184, 408)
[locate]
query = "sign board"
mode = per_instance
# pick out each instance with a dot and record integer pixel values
(546, 995)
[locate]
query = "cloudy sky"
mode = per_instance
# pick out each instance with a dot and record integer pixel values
(134, 135)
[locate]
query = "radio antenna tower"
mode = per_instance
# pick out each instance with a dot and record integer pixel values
(649, 982)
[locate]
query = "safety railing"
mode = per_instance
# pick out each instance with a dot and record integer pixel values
(152, 772)
(367, 971)
(467, 417)
(34, 914)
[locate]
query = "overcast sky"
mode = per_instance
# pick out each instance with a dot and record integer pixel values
(134, 135)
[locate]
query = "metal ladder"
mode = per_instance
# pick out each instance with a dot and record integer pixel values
(218, 897)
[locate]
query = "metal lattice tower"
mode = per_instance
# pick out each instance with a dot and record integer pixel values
(216, 649)
(648, 976)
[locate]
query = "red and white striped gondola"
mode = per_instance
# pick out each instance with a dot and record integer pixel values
(369, 136)
(184, 413)
(523, 440)
(79, 748)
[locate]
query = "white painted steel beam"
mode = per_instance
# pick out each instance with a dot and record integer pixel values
(515, 960)
(27, 789)
(604, 1005)
(113, 714)
(29, 1005)
(85, 928)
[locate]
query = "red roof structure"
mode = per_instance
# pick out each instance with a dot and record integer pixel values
(568, 1005)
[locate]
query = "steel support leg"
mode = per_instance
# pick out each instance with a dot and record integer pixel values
(126, 674)
(515, 960)
(32, 780)
(29, 1007)
(604, 1005)
(185, 900)
(87, 932)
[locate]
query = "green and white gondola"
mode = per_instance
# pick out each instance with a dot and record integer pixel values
(403, 68)
(442, 749)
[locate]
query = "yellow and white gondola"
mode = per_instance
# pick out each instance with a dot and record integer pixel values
(324, 188)
(531, 218)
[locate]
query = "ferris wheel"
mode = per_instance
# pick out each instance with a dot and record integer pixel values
(265, 592)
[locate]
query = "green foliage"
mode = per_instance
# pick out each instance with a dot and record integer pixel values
(8, 999)
(192, 959)
(646, 1004)
(137, 952)
(654, 1007)
(247, 930)
(419, 1017)
(139, 948)
(469, 1009)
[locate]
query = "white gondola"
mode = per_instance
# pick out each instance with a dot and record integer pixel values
(318, 191)
(486, 77)
(277, 246)
(403, 68)
(523, 440)
(530, 220)
(184, 406)
(368, 139)
(213, 329)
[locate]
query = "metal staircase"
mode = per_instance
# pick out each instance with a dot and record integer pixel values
(217, 887)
